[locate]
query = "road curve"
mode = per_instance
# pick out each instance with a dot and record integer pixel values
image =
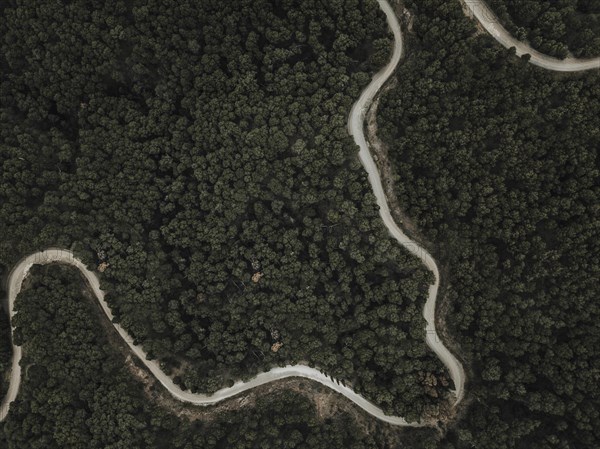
(487, 19)
(355, 127)
(15, 282)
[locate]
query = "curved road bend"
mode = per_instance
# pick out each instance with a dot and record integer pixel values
(355, 128)
(66, 257)
(487, 19)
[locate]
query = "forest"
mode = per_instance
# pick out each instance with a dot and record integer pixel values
(5, 351)
(78, 393)
(198, 156)
(557, 28)
(497, 164)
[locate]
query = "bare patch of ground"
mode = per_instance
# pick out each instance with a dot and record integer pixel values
(328, 404)
(406, 18)
(479, 29)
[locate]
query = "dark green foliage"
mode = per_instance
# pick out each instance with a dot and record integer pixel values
(5, 350)
(76, 392)
(497, 162)
(191, 147)
(553, 27)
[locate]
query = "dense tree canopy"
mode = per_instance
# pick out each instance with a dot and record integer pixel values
(199, 155)
(497, 162)
(77, 393)
(5, 351)
(553, 27)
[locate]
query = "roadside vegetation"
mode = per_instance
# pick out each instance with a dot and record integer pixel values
(207, 171)
(497, 164)
(553, 27)
(5, 352)
(77, 392)
(198, 156)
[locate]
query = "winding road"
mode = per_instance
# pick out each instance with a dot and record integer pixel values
(356, 129)
(66, 257)
(491, 23)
